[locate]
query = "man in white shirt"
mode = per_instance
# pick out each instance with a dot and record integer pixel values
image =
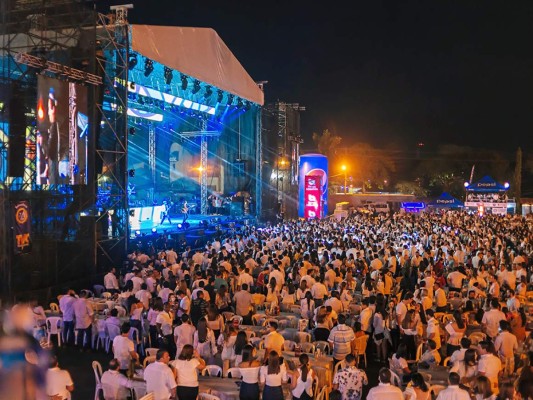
(433, 328)
(144, 296)
(273, 340)
(491, 319)
(183, 334)
(123, 348)
(66, 305)
(164, 327)
(245, 278)
(111, 281)
(243, 304)
(459, 355)
(365, 317)
(441, 301)
(58, 381)
(84, 319)
(384, 390)
(184, 303)
(489, 365)
(401, 308)
(513, 304)
(506, 346)
(319, 291)
(453, 391)
(340, 339)
(160, 379)
(115, 384)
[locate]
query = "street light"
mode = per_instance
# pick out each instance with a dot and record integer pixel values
(344, 170)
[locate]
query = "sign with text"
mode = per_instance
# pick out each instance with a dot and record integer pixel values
(22, 227)
(312, 197)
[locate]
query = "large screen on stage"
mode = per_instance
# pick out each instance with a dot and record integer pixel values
(62, 133)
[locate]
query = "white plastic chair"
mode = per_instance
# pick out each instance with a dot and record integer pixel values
(289, 345)
(151, 351)
(102, 336)
(360, 348)
(307, 347)
(212, 370)
(112, 332)
(54, 326)
(136, 337)
(322, 394)
(147, 396)
(106, 295)
(257, 319)
(97, 369)
(302, 337)
(238, 318)
(340, 365)
(228, 315)
(234, 373)
(323, 346)
(54, 308)
(121, 311)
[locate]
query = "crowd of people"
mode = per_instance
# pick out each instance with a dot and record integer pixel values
(429, 290)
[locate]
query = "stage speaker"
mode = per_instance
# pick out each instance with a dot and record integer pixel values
(17, 133)
(236, 208)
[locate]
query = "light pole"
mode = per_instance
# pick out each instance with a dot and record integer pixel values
(344, 170)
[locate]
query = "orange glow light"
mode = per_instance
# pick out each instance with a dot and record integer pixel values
(40, 109)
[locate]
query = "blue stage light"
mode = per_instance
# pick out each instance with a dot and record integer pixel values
(137, 233)
(154, 230)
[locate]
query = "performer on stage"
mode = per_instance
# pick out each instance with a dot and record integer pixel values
(185, 211)
(166, 213)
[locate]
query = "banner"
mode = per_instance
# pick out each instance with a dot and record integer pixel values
(312, 197)
(22, 227)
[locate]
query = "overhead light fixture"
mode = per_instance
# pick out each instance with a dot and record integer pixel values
(131, 173)
(154, 230)
(220, 96)
(208, 92)
(168, 75)
(184, 82)
(196, 88)
(148, 67)
(132, 61)
(230, 99)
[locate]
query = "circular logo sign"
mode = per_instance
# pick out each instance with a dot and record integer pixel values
(21, 215)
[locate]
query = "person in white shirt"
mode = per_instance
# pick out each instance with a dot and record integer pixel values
(489, 365)
(66, 305)
(365, 317)
(513, 304)
(271, 377)
(491, 319)
(160, 378)
(506, 346)
(183, 334)
(111, 281)
(319, 291)
(433, 328)
(84, 319)
(59, 383)
(350, 380)
(453, 391)
(114, 384)
(384, 390)
(459, 355)
(123, 348)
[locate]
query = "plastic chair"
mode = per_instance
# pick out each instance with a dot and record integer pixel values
(307, 347)
(227, 315)
(302, 337)
(147, 360)
(427, 377)
(360, 348)
(257, 319)
(255, 341)
(54, 307)
(289, 345)
(269, 320)
(54, 326)
(106, 295)
(322, 394)
(339, 366)
(419, 351)
(112, 332)
(121, 311)
(212, 370)
(446, 361)
(97, 369)
(323, 346)
(238, 318)
(476, 337)
(147, 396)
(151, 351)
(102, 336)
(234, 373)
(136, 337)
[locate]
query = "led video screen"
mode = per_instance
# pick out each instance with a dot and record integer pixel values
(62, 133)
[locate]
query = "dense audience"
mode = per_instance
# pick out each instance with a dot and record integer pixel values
(423, 293)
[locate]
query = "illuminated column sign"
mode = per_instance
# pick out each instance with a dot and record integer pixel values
(312, 197)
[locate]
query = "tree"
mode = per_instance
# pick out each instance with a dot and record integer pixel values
(413, 188)
(327, 143)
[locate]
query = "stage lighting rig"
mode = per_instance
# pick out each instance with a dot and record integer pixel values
(247, 105)
(184, 82)
(148, 67)
(131, 173)
(230, 99)
(168, 75)
(208, 92)
(132, 130)
(196, 88)
(132, 61)
(220, 96)
(240, 104)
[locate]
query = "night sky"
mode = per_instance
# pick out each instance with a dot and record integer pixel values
(385, 72)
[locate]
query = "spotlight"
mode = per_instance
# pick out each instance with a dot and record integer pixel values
(180, 226)
(184, 82)
(240, 104)
(220, 95)
(196, 88)
(137, 233)
(131, 173)
(132, 213)
(208, 92)
(466, 184)
(132, 131)
(247, 105)
(506, 185)
(168, 75)
(148, 67)
(230, 99)
(154, 230)
(132, 61)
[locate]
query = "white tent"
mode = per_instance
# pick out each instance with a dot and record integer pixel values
(196, 52)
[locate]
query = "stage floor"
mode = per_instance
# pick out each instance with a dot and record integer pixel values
(195, 221)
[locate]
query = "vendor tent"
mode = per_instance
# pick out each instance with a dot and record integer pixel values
(486, 184)
(446, 200)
